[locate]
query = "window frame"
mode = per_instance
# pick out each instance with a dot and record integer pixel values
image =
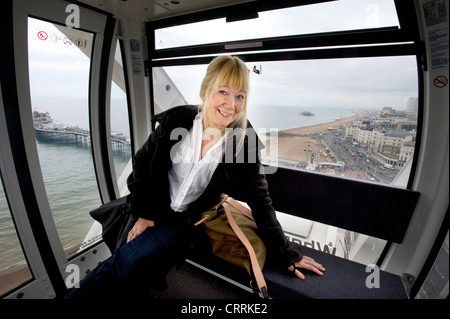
(380, 42)
(24, 186)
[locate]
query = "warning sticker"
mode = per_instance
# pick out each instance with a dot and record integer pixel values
(438, 48)
(440, 81)
(42, 35)
(435, 12)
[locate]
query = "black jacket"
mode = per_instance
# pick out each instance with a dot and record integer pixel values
(149, 181)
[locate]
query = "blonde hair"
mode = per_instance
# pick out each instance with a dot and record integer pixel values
(227, 70)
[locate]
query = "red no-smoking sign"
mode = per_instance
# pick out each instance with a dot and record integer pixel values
(440, 81)
(42, 35)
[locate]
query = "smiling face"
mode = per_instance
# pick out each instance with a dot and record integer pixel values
(224, 93)
(223, 106)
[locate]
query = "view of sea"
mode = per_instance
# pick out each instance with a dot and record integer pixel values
(286, 117)
(69, 177)
(70, 184)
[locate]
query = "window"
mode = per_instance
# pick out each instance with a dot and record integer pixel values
(347, 108)
(308, 19)
(328, 113)
(59, 64)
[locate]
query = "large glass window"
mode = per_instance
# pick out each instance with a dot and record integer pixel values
(354, 118)
(330, 16)
(347, 110)
(59, 64)
(351, 118)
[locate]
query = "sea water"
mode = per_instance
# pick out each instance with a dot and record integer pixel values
(72, 191)
(287, 117)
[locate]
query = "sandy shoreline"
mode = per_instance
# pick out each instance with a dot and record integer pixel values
(18, 274)
(13, 276)
(297, 144)
(323, 127)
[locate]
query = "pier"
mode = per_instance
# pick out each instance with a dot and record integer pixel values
(46, 130)
(63, 135)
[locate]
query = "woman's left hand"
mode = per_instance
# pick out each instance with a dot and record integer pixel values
(309, 264)
(140, 226)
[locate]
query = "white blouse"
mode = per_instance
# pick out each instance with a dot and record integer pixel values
(190, 174)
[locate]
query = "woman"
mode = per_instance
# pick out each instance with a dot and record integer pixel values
(174, 180)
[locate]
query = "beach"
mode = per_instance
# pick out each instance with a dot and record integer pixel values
(297, 144)
(13, 276)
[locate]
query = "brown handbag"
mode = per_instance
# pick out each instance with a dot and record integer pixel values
(233, 235)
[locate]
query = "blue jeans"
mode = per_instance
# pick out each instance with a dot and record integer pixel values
(138, 266)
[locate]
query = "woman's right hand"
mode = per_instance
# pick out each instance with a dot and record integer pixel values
(309, 264)
(140, 226)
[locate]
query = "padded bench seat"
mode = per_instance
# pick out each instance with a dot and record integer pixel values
(343, 279)
(372, 209)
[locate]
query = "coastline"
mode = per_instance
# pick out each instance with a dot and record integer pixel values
(322, 127)
(297, 144)
(18, 274)
(13, 276)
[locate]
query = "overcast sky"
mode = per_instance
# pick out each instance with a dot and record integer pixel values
(346, 83)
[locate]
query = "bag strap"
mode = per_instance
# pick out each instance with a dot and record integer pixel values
(262, 286)
(247, 212)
